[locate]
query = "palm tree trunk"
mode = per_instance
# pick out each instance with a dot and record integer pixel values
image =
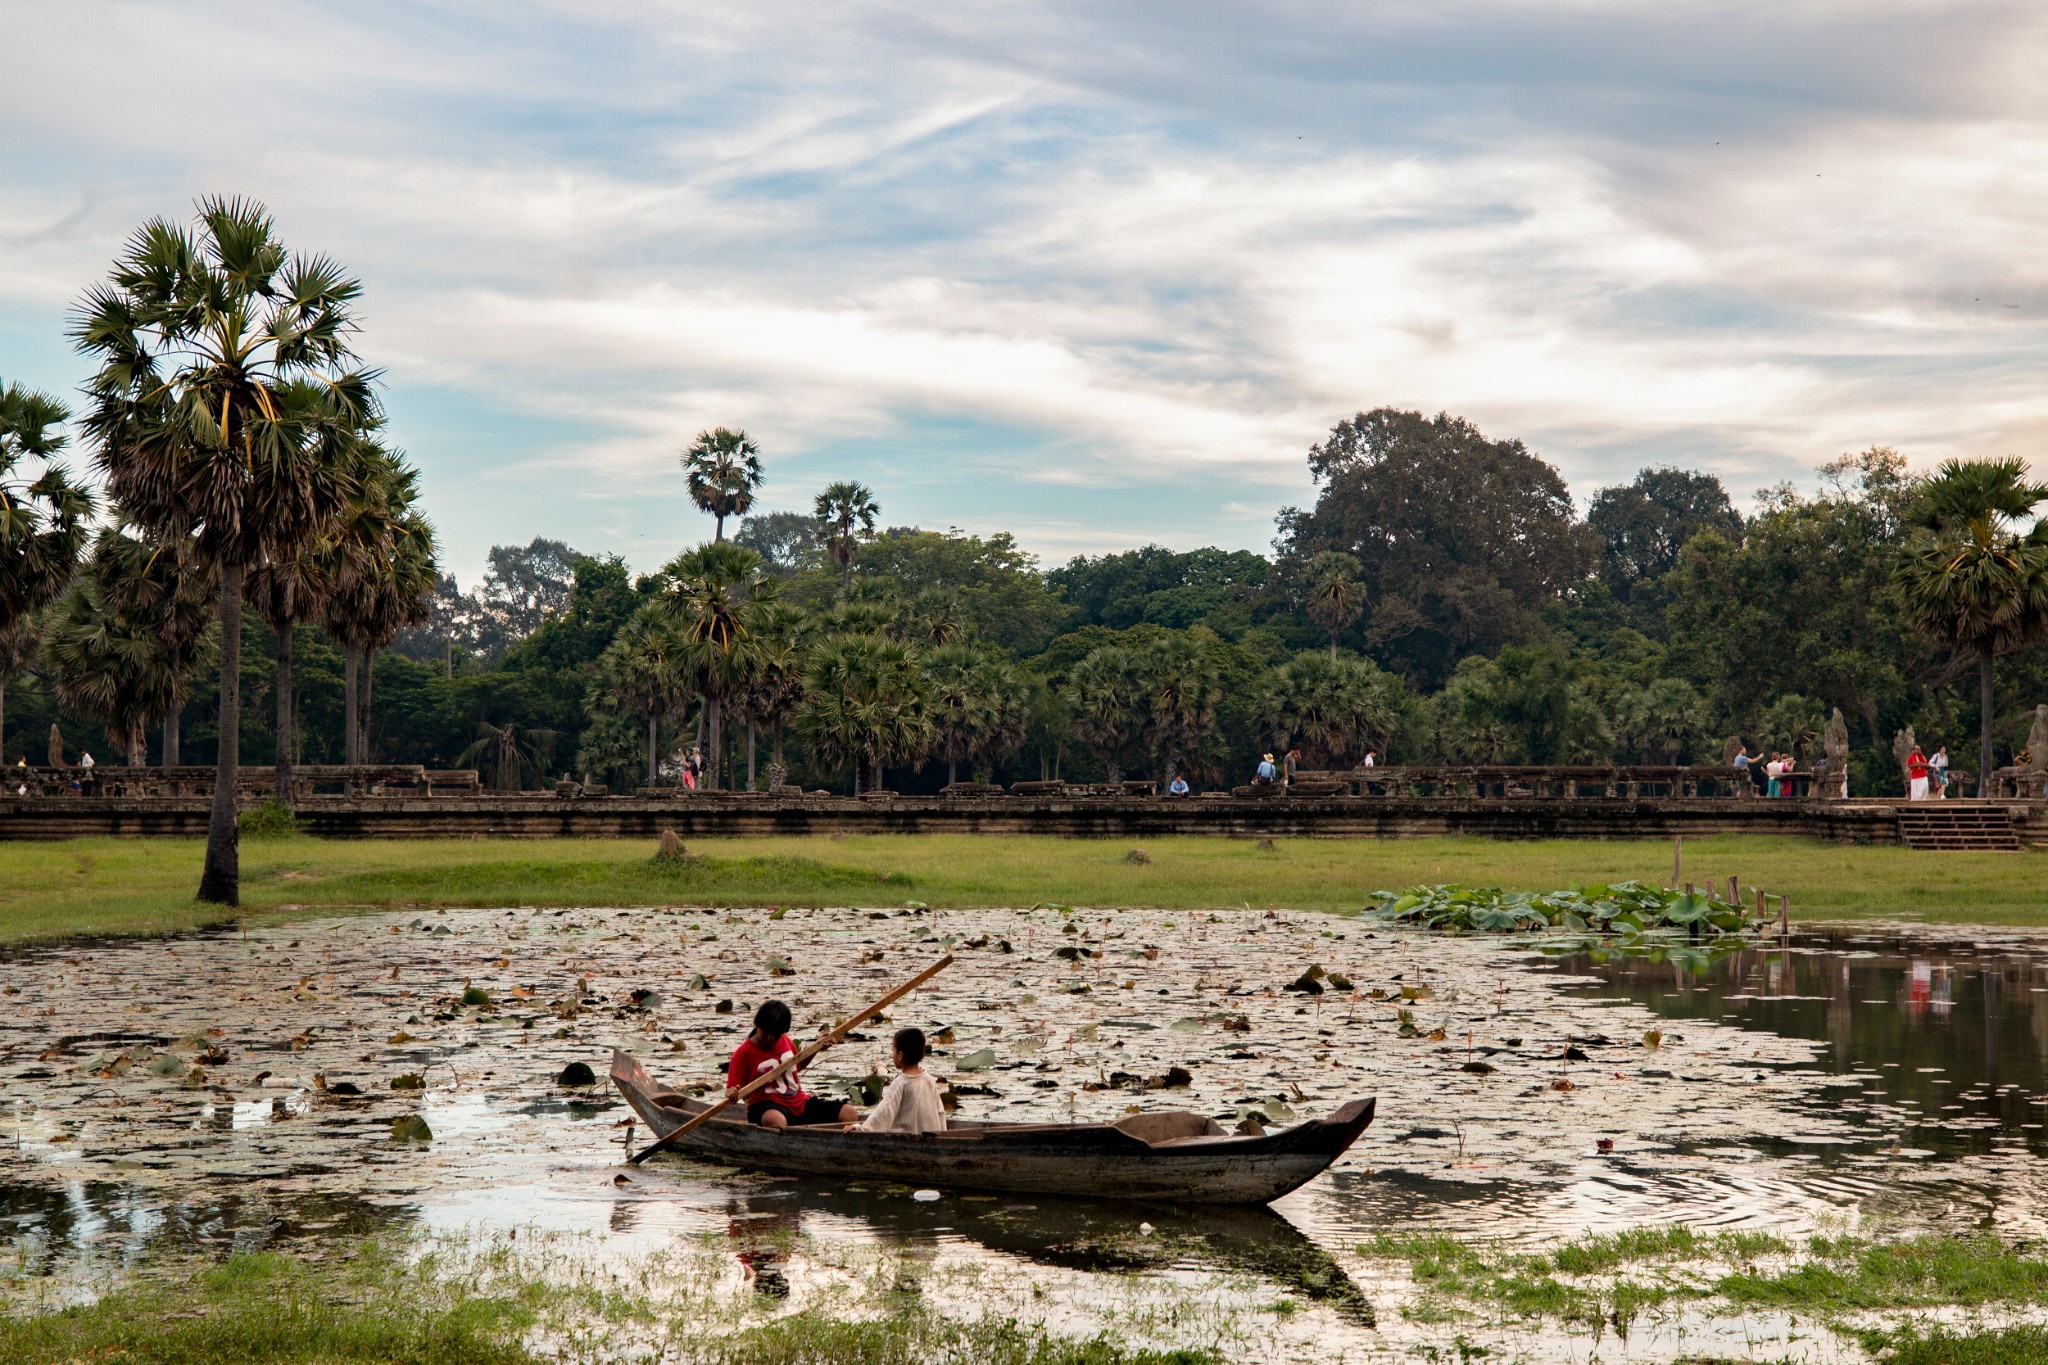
(349, 657)
(138, 747)
(1986, 712)
(950, 778)
(753, 735)
(3, 718)
(717, 527)
(171, 718)
(713, 709)
(363, 728)
(1333, 646)
(221, 881)
(878, 775)
(653, 759)
(284, 714)
(845, 574)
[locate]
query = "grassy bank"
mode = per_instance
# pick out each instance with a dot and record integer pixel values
(367, 1303)
(145, 886)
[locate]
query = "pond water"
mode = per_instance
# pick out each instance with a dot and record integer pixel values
(1790, 1088)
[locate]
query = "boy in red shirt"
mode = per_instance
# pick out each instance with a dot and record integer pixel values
(784, 1102)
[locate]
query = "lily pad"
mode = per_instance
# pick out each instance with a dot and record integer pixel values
(411, 1128)
(577, 1073)
(981, 1059)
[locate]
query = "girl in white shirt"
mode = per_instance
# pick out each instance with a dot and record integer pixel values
(911, 1103)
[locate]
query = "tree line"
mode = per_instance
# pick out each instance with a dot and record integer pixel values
(1442, 598)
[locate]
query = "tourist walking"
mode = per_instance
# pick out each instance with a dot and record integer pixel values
(1290, 765)
(1937, 773)
(1916, 775)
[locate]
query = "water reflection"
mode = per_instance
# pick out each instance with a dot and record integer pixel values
(1950, 1037)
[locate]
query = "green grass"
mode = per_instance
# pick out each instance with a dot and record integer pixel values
(145, 886)
(1850, 1273)
(276, 1308)
(2009, 1346)
(365, 1302)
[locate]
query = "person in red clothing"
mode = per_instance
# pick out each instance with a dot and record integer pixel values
(1916, 775)
(784, 1102)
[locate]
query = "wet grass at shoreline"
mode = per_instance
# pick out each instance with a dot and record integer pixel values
(129, 886)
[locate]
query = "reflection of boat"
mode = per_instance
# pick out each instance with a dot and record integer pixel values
(1176, 1157)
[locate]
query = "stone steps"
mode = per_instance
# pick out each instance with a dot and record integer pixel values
(1957, 826)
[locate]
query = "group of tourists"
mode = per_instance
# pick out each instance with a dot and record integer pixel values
(910, 1104)
(1778, 769)
(1927, 778)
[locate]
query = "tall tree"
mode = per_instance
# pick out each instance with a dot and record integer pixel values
(1108, 691)
(1973, 578)
(721, 591)
(647, 669)
(168, 587)
(1335, 709)
(109, 668)
(971, 687)
(1462, 541)
(775, 683)
(1182, 691)
(42, 519)
(1335, 595)
(866, 704)
(722, 469)
(224, 370)
(845, 514)
(1643, 524)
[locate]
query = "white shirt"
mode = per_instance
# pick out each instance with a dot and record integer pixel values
(1368, 761)
(910, 1105)
(86, 761)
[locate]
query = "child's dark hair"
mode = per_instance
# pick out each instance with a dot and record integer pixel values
(771, 1021)
(910, 1045)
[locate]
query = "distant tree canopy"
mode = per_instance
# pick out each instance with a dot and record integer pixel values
(1643, 525)
(1462, 540)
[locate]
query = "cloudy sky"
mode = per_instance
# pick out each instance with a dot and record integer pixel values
(1095, 272)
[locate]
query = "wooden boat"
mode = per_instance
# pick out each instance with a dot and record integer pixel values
(1172, 1157)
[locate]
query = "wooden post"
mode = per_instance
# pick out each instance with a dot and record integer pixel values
(1677, 859)
(1688, 888)
(1734, 891)
(1762, 912)
(1784, 914)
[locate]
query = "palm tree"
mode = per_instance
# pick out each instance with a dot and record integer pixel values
(1971, 578)
(866, 704)
(19, 645)
(169, 588)
(721, 591)
(846, 513)
(1182, 692)
(509, 755)
(776, 682)
(377, 571)
(225, 370)
(1336, 598)
(42, 520)
(1660, 721)
(646, 668)
(723, 468)
(1334, 708)
(1107, 690)
(967, 684)
(109, 668)
(285, 588)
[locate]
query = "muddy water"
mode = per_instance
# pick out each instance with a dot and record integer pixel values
(194, 1095)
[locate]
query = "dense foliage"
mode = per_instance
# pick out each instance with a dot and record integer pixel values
(1441, 600)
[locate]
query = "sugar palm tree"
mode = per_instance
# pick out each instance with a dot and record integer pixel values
(1336, 597)
(224, 370)
(722, 470)
(1334, 708)
(1182, 692)
(963, 685)
(1972, 578)
(866, 705)
(377, 573)
(20, 643)
(721, 591)
(509, 755)
(108, 668)
(42, 518)
(775, 685)
(166, 586)
(1107, 691)
(846, 513)
(646, 667)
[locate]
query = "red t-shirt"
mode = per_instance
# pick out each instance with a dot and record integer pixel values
(1916, 764)
(750, 1063)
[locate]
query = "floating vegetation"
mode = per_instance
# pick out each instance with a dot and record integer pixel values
(1627, 908)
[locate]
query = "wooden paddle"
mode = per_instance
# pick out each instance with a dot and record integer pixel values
(837, 1033)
